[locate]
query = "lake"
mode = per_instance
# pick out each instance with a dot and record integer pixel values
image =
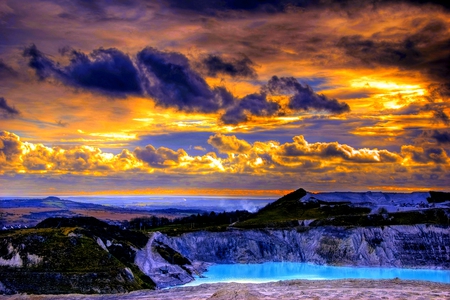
(275, 271)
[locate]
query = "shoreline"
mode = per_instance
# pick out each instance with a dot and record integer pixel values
(289, 289)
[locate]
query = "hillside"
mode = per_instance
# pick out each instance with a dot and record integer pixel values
(23, 213)
(301, 208)
(65, 255)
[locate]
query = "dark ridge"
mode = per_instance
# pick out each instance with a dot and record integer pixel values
(52, 198)
(289, 211)
(178, 211)
(289, 200)
(438, 197)
(84, 222)
(95, 227)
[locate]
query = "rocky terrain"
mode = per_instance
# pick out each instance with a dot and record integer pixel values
(78, 255)
(85, 255)
(412, 246)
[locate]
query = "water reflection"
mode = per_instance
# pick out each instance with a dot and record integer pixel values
(274, 271)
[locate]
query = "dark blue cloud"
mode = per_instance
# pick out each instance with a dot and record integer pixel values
(441, 137)
(212, 7)
(216, 65)
(43, 66)
(7, 111)
(107, 71)
(251, 105)
(215, 7)
(427, 51)
(168, 78)
(173, 83)
(303, 97)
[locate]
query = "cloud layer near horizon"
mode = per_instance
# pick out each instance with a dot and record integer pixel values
(271, 159)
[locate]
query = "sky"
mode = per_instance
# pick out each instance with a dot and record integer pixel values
(116, 97)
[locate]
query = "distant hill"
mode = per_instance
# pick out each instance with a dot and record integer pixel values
(301, 208)
(49, 202)
(20, 213)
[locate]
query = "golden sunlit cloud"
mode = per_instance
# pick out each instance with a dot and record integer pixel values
(207, 98)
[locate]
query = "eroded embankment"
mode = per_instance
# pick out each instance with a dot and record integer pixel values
(417, 246)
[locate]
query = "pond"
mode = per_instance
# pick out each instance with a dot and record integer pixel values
(275, 271)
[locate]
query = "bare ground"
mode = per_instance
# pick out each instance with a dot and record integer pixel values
(292, 289)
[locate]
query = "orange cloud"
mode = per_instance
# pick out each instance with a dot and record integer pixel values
(228, 144)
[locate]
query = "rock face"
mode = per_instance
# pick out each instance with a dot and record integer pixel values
(163, 265)
(418, 246)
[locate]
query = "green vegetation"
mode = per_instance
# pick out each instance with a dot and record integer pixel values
(195, 222)
(171, 255)
(68, 254)
(288, 210)
(429, 216)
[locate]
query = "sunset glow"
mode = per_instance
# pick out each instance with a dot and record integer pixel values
(223, 98)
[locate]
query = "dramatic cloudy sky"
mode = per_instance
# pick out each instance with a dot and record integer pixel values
(223, 97)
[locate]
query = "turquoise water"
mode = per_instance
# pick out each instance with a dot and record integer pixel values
(275, 271)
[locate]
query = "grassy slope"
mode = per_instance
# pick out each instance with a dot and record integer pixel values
(288, 211)
(71, 260)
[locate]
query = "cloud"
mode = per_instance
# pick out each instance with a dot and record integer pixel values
(164, 76)
(169, 80)
(303, 97)
(6, 71)
(256, 104)
(199, 148)
(424, 155)
(10, 149)
(228, 144)
(107, 71)
(102, 10)
(159, 158)
(173, 83)
(7, 111)
(18, 156)
(426, 50)
(300, 147)
(23, 157)
(216, 65)
(43, 66)
(215, 7)
(246, 165)
(441, 137)
(438, 91)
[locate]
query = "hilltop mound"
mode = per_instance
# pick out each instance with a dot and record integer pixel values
(52, 198)
(301, 208)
